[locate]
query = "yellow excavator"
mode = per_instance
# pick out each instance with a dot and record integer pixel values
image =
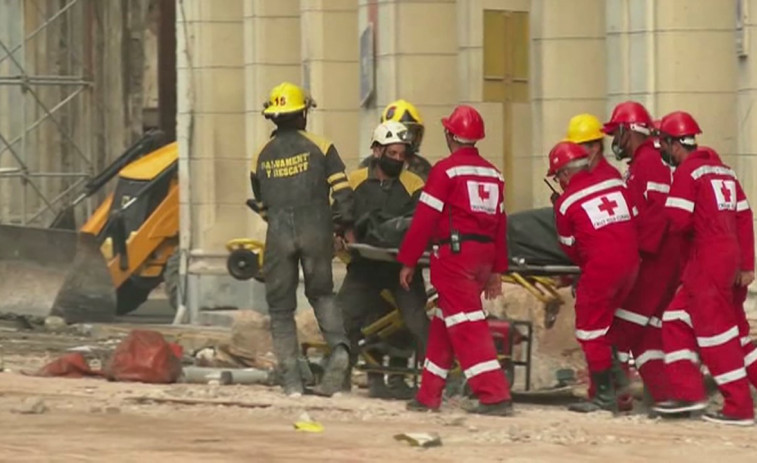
(110, 265)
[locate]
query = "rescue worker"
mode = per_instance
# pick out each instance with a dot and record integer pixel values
(637, 327)
(461, 211)
(586, 130)
(595, 229)
(703, 205)
(406, 113)
(291, 178)
(386, 189)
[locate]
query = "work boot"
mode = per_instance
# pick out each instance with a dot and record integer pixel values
(719, 417)
(398, 388)
(291, 381)
(415, 406)
(604, 397)
(675, 407)
(622, 383)
(504, 408)
(377, 387)
(333, 376)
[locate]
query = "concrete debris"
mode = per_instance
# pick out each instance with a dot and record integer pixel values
(31, 406)
(55, 324)
(420, 439)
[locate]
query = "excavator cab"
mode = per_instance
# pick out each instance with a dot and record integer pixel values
(123, 251)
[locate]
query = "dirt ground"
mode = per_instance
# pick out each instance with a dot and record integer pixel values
(88, 420)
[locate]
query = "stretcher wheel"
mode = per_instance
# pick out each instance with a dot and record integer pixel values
(243, 264)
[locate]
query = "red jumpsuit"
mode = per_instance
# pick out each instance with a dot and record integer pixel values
(464, 192)
(703, 206)
(596, 230)
(637, 325)
(745, 223)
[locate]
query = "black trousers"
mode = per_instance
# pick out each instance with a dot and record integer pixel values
(361, 303)
(300, 237)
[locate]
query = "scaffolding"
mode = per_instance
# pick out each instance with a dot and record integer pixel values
(45, 107)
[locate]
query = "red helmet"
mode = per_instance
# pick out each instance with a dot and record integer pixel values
(563, 154)
(656, 124)
(679, 124)
(631, 114)
(465, 124)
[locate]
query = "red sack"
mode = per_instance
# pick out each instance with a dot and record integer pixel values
(144, 356)
(68, 366)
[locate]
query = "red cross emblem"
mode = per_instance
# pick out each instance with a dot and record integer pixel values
(608, 206)
(726, 193)
(482, 192)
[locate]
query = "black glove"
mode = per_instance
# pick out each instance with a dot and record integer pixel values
(554, 197)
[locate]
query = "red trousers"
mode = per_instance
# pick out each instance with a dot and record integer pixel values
(747, 345)
(703, 318)
(602, 288)
(459, 329)
(637, 325)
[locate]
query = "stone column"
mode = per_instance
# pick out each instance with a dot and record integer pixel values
(330, 68)
(568, 74)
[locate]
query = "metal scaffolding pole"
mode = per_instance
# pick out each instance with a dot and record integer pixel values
(45, 98)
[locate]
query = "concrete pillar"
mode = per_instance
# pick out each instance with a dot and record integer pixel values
(745, 162)
(330, 68)
(211, 134)
(416, 59)
(568, 74)
(271, 56)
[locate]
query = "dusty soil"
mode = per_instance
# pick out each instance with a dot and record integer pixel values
(88, 420)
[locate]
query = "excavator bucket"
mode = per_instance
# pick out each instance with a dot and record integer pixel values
(87, 293)
(54, 272)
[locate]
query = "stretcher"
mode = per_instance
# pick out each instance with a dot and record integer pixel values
(542, 281)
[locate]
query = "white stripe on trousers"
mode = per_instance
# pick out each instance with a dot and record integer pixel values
(435, 369)
(483, 367)
(683, 354)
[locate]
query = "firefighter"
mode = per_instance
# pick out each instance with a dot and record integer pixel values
(386, 190)
(406, 113)
(461, 211)
(706, 205)
(595, 229)
(586, 130)
(291, 176)
(637, 327)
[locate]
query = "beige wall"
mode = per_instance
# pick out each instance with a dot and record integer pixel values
(585, 56)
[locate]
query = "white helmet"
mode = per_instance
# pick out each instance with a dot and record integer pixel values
(390, 132)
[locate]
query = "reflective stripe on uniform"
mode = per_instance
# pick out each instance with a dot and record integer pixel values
(658, 187)
(432, 201)
(483, 367)
(677, 315)
(683, 354)
(435, 369)
(634, 211)
(731, 376)
(567, 240)
(679, 203)
(745, 340)
(718, 339)
(717, 170)
(750, 358)
(341, 185)
(623, 357)
(655, 322)
(588, 335)
(742, 206)
(649, 355)
(580, 194)
(474, 170)
(337, 176)
(461, 317)
(632, 317)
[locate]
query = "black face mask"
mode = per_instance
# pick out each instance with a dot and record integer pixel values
(391, 167)
(617, 149)
(667, 158)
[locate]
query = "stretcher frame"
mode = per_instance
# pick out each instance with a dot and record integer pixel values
(537, 280)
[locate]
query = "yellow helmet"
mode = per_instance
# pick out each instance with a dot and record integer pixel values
(286, 98)
(405, 112)
(584, 128)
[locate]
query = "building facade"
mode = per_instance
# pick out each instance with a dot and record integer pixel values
(527, 65)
